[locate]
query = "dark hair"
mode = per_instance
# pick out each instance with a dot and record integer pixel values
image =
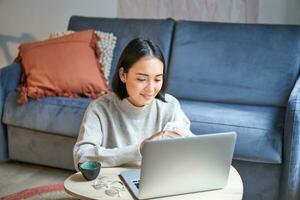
(134, 51)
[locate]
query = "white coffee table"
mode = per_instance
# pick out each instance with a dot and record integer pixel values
(78, 187)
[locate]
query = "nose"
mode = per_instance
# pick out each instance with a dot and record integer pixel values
(150, 87)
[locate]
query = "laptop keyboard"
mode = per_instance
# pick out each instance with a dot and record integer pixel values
(137, 183)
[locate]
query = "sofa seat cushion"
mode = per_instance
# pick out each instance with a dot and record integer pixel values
(259, 128)
(57, 115)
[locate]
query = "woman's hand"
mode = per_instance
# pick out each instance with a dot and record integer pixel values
(162, 134)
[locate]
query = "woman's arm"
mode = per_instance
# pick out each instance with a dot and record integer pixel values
(179, 122)
(108, 157)
(89, 144)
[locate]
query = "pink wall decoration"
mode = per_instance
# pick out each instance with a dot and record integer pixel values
(244, 11)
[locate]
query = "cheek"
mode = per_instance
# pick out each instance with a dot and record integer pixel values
(158, 86)
(134, 87)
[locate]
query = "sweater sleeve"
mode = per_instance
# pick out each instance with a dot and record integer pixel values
(179, 121)
(89, 144)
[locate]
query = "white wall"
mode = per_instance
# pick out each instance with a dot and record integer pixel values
(29, 20)
(293, 12)
(279, 12)
(23, 21)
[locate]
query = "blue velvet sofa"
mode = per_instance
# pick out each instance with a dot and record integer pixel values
(227, 77)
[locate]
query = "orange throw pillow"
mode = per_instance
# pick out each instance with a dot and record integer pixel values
(66, 66)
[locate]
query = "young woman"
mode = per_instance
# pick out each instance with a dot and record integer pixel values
(116, 126)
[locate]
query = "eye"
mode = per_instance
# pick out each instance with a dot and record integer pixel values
(157, 80)
(140, 79)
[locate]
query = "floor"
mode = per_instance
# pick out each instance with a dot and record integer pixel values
(17, 176)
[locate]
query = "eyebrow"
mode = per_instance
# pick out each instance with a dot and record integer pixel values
(147, 74)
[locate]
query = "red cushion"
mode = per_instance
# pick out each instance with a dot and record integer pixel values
(65, 66)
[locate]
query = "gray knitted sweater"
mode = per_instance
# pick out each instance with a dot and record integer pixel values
(112, 129)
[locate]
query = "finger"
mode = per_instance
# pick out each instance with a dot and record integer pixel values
(171, 134)
(156, 135)
(180, 132)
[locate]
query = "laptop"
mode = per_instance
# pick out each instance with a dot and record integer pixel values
(182, 165)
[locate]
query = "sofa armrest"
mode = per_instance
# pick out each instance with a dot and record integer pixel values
(290, 177)
(9, 80)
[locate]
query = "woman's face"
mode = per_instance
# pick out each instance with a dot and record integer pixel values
(143, 80)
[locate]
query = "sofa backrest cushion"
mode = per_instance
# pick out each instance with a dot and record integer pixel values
(158, 30)
(234, 63)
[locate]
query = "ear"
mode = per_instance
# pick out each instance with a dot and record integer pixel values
(122, 74)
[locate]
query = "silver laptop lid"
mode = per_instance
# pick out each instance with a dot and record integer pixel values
(185, 165)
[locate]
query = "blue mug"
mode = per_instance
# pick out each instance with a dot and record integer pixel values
(90, 169)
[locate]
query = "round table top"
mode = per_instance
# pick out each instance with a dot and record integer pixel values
(108, 185)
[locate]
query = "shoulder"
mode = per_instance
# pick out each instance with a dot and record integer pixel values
(103, 102)
(171, 101)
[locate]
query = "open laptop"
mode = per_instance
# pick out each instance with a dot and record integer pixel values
(182, 165)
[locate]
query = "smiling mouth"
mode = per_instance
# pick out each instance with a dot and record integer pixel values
(147, 96)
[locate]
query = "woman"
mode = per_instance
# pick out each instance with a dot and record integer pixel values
(116, 126)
